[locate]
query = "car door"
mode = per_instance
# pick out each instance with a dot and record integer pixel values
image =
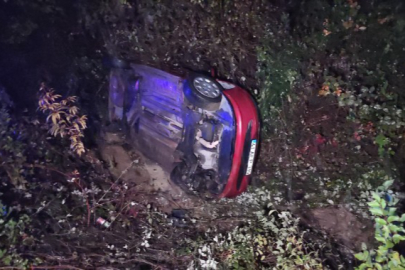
(157, 119)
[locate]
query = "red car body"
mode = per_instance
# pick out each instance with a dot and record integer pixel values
(245, 112)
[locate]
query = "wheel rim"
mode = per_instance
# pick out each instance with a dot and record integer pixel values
(206, 87)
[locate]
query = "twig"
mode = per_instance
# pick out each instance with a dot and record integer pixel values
(87, 201)
(122, 209)
(47, 168)
(139, 260)
(42, 267)
(67, 175)
(43, 207)
(99, 89)
(55, 267)
(108, 190)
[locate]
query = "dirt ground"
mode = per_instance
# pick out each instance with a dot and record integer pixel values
(141, 175)
(147, 183)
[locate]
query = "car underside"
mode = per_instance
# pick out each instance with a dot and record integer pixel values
(194, 139)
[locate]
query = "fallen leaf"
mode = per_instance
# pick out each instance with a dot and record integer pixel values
(326, 32)
(319, 139)
(384, 20)
(323, 93)
(347, 24)
(324, 90)
(352, 3)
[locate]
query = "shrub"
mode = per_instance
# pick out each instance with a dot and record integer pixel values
(12, 146)
(271, 240)
(12, 233)
(389, 231)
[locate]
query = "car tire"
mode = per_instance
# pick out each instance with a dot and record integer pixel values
(203, 92)
(177, 173)
(179, 176)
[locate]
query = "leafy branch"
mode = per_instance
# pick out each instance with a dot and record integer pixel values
(63, 117)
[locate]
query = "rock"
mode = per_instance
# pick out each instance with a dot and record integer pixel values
(344, 226)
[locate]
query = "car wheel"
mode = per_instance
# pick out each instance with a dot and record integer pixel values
(180, 175)
(211, 184)
(178, 172)
(203, 91)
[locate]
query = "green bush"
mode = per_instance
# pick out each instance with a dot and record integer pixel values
(12, 233)
(389, 231)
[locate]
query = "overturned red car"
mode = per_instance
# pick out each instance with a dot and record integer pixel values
(203, 130)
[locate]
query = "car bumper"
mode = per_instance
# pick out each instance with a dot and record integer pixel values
(247, 126)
